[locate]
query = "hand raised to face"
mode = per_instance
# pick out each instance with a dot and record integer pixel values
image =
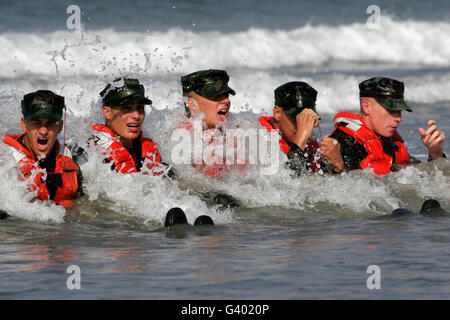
(306, 121)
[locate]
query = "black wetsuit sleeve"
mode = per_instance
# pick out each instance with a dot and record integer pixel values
(53, 182)
(429, 157)
(170, 172)
(351, 151)
(299, 160)
(78, 154)
(413, 160)
(80, 183)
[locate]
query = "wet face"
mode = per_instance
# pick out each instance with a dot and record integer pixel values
(125, 121)
(288, 128)
(286, 125)
(40, 135)
(380, 120)
(215, 109)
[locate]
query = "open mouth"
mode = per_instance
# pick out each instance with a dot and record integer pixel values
(134, 127)
(42, 144)
(223, 113)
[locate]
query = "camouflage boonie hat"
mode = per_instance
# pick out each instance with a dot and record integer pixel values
(42, 104)
(387, 92)
(123, 91)
(293, 97)
(207, 83)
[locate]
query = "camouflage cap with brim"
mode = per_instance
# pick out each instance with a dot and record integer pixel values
(386, 91)
(123, 91)
(393, 104)
(42, 104)
(293, 97)
(207, 83)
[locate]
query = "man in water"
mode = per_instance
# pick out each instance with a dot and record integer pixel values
(38, 149)
(207, 93)
(122, 139)
(294, 115)
(124, 111)
(370, 139)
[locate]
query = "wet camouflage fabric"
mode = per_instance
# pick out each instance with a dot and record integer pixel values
(207, 83)
(123, 91)
(293, 97)
(42, 104)
(386, 91)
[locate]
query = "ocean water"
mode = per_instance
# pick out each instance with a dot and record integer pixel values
(311, 237)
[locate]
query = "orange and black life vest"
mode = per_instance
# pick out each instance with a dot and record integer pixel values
(312, 145)
(65, 173)
(377, 159)
(123, 161)
(216, 168)
(218, 165)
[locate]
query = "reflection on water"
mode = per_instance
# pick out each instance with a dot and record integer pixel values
(244, 260)
(35, 248)
(44, 256)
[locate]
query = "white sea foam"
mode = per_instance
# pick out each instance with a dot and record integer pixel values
(146, 196)
(17, 201)
(332, 59)
(109, 52)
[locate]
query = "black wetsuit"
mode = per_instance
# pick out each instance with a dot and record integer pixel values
(300, 161)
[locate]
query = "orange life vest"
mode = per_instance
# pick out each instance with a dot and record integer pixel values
(64, 166)
(312, 144)
(119, 155)
(218, 166)
(376, 159)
